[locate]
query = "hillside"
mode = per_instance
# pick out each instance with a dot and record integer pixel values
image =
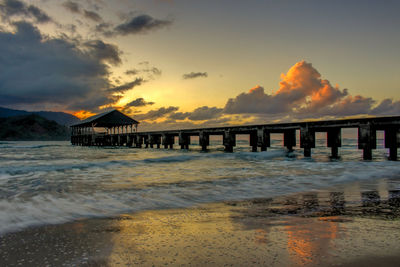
(60, 117)
(31, 127)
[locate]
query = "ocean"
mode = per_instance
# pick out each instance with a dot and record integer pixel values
(45, 183)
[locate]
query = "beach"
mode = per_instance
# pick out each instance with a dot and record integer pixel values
(62, 205)
(349, 225)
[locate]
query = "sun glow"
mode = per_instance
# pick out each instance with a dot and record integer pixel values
(83, 114)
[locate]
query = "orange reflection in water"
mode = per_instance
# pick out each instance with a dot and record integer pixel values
(261, 236)
(305, 241)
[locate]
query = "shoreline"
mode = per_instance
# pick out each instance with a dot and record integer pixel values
(348, 225)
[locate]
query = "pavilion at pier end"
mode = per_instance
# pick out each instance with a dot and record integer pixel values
(110, 128)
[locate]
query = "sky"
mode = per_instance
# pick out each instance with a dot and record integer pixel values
(174, 64)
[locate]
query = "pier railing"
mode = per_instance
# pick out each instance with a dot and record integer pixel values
(260, 136)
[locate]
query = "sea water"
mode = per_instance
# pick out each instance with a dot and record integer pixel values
(55, 182)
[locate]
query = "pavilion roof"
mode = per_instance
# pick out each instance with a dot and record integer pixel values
(113, 118)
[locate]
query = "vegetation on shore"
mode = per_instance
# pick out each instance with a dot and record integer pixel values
(31, 127)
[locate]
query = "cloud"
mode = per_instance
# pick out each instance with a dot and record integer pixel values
(92, 15)
(255, 101)
(139, 25)
(132, 72)
(147, 70)
(72, 6)
(179, 115)
(198, 114)
(172, 124)
(303, 93)
(387, 107)
(193, 75)
(153, 71)
(348, 106)
(103, 51)
(205, 113)
(157, 113)
(53, 72)
(127, 86)
(139, 102)
(11, 8)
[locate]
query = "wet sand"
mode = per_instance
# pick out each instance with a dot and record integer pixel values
(349, 225)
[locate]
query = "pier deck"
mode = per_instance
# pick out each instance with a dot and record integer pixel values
(259, 135)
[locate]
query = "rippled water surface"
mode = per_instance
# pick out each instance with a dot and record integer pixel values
(54, 182)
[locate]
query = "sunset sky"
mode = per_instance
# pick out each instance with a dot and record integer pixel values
(172, 63)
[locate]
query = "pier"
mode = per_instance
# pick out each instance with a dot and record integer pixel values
(121, 130)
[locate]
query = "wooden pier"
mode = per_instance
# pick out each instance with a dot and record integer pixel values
(123, 132)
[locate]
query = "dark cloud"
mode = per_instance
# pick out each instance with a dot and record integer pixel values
(52, 72)
(92, 15)
(132, 72)
(103, 27)
(205, 113)
(172, 124)
(149, 72)
(139, 102)
(103, 51)
(10, 8)
(140, 24)
(128, 86)
(199, 114)
(153, 71)
(193, 75)
(348, 106)
(387, 107)
(157, 113)
(179, 115)
(38, 14)
(72, 6)
(255, 101)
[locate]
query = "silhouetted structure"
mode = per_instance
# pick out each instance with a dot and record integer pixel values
(259, 134)
(106, 129)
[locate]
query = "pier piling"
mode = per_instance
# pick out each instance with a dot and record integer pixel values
(289, 139)
(184, 140)
(392, 141)
(204, 140)
(366, 140)
(229, 141)
(168, 141)
(253, 141)
(334, 141)
(307, 140)
(263, 138)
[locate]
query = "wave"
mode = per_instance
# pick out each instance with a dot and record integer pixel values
(52, 208)
(12, 170)
(191, 156)
(8, 145)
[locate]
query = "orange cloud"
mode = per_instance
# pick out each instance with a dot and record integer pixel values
(303, 93)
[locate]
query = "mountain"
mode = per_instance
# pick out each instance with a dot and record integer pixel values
(60, 117)
(31, 127)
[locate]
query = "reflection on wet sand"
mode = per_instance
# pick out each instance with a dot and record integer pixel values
(324, 229)
(328, 227)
